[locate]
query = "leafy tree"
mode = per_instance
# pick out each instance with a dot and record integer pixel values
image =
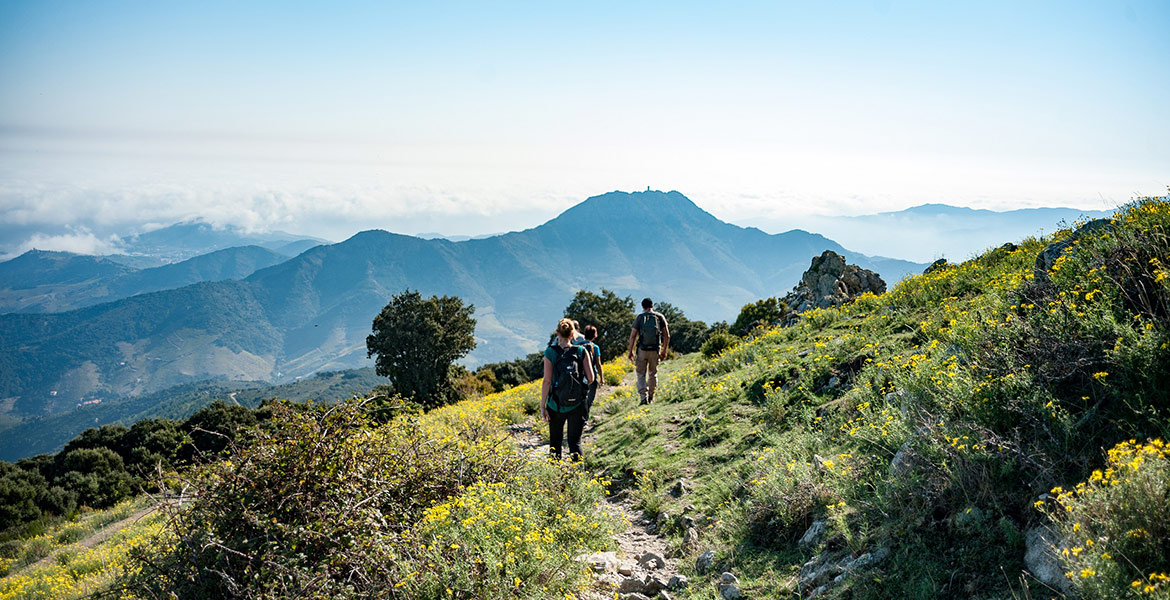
(212, 429)
(514, 372)
(761, 312)
(416, 342)
(686, 336)
(611, 315)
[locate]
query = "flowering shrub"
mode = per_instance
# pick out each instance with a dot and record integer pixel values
(1117, 523)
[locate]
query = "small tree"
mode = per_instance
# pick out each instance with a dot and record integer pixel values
(611, 315)
(416, 341)
(761, 312)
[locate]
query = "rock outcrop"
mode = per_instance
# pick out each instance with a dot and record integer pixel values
(830, 281)
(1053, 251)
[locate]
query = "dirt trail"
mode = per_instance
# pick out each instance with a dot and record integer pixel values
(633, 540)
(97, 537)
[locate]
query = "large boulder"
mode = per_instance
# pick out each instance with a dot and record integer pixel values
(830, 281)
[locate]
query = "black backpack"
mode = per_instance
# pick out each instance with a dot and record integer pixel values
(648, 330)
(568, 385)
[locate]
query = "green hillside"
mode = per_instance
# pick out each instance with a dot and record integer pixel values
(47, 282)
(923, 439)
(50, 433)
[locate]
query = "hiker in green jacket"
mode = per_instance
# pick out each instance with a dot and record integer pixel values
(651, 337)
(568, 372)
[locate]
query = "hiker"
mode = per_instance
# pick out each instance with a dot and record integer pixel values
(568, 370)
(594, 356)
(651, 335)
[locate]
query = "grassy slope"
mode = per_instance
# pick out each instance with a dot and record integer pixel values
(995, 384)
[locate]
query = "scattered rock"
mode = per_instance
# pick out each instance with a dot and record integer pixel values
(729, 592)
(635, 596)
(830, 281)
(678, 489)
(828, 568)
(653, 586)
(662, 595)
(691, 538)
(814, 534)
(728, 578)
(1053, 251)
(650, 560)
(1042, 547)
(626, 569)
(600, 562)
(688, 522)
(905, 461)
(678, 582)
(705, 561)
(631, 585)
(936, 266)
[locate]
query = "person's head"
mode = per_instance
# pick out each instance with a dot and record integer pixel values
(647, 304)
(576, 325)
(565, 328)
(590, 332)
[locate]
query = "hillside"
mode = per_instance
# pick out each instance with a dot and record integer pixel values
(935, 441)
(46, 282)
(49, 433)
(314, 311)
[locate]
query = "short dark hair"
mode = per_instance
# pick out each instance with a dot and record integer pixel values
(590, 332)
(647, 303)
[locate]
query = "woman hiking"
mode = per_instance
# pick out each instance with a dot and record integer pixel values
(568, 371)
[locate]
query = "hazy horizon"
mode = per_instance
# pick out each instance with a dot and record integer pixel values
(471, 119)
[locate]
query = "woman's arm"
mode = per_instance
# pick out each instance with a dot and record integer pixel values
(544, 386)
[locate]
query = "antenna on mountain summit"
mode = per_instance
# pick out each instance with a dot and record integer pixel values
(647, 188)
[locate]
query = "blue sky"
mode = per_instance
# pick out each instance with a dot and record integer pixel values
(328, 118)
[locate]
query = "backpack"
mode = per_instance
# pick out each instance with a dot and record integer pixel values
(647, 326)
(568, 385)
(594, 355)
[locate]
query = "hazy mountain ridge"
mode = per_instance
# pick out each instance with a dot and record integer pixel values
(930, 231)
(39, 281)
(314, 311)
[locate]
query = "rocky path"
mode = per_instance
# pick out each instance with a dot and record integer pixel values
(640, 568)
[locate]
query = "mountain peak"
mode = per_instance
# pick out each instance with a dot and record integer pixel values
(653, 204)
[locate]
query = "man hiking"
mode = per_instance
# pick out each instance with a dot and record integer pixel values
(651, 337)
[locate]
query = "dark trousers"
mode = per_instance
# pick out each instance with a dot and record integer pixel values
(556, 431)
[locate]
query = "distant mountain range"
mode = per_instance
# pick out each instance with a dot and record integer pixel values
(41, 281)
(930, 231)
(313, 312)
(186, 240)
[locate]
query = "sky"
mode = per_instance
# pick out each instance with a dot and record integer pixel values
(472, 118)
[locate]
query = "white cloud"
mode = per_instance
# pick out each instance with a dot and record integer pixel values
(79, 240)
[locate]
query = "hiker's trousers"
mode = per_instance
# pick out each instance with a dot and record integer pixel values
(646, 366)
(575, 419)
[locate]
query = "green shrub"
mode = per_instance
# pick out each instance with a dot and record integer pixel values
(717, 343)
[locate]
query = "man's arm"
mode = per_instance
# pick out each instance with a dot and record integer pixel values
(633, 338)
(665, 339)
